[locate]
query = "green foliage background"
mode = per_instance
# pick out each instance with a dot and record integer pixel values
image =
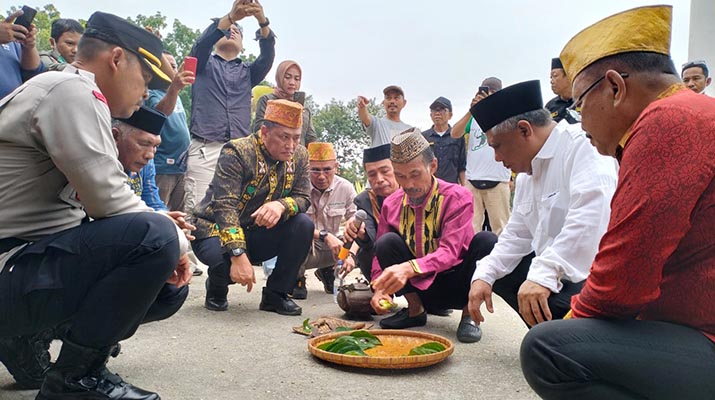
(336, 122)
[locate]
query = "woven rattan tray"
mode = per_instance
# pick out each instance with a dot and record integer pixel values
(325, 325)
(380, 357)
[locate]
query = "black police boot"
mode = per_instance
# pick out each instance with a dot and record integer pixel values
(81, 373)
(216, 299)
(327, 276)
(27, 358)
(278, 302)
(300, 292)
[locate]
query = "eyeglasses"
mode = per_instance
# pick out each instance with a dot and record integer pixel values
(577, 104)
(318, 171)
(439, 111)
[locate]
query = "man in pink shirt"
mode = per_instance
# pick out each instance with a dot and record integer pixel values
(426, 248)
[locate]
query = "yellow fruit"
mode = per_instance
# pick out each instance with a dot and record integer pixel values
(386, 304)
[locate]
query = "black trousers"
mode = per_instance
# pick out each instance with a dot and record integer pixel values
(364, 261)
(290, 241)
(508, 287)
(103, 277)
(450, 289)
(588, 359)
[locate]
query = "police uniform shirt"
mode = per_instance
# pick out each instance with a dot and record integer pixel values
(559, 109)
(58, 159)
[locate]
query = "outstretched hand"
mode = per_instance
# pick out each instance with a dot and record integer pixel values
(240, 10)
(479, 293)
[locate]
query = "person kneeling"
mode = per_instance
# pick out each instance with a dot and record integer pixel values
(254, 210)
(426, 248)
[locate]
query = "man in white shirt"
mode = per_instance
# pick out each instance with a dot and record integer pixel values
(488, 179)
(561, 207)
(382, 130)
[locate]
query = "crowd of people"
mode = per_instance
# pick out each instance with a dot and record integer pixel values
(606, 251)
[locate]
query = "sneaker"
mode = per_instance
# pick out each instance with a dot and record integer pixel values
(27, 358)
(300, 292)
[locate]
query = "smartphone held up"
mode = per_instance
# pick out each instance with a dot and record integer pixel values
(28, 14)
(299, 97)
(190, 65)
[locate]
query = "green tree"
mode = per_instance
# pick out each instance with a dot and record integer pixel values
(338, 123)
(153, 23)
(180, 40)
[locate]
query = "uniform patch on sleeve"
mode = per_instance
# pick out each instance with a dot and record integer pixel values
(100, 97)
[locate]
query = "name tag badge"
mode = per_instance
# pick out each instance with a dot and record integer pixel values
(170, 161)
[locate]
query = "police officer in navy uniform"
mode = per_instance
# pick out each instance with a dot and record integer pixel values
(77, 246)
(561, 86)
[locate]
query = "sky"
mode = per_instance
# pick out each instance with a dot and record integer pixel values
(445, 48)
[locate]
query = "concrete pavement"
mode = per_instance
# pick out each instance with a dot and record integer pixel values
(245, 353)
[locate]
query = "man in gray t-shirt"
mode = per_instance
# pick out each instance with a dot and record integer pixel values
(381, 130)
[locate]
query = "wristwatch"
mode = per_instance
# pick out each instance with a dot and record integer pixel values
(238, 252)
(265, 24)
(322, 235)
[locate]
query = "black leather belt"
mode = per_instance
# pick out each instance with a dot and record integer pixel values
(8, 244)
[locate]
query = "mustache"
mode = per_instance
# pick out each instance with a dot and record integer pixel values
(413, 190)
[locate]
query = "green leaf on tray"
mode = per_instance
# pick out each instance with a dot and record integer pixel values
(307, 327)
(353, 344)
(367, 337)
(427, 348)
(343, 329)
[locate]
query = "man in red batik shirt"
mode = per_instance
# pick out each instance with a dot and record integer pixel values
(644, 323)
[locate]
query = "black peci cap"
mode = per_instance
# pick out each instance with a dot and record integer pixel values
(374, 154)
(506, 103)
(146, 119)
(112, 29)
(556, 63)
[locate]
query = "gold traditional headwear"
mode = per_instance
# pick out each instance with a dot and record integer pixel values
(640, 29)
(284, 112)
(407, 145)
(318, 151)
